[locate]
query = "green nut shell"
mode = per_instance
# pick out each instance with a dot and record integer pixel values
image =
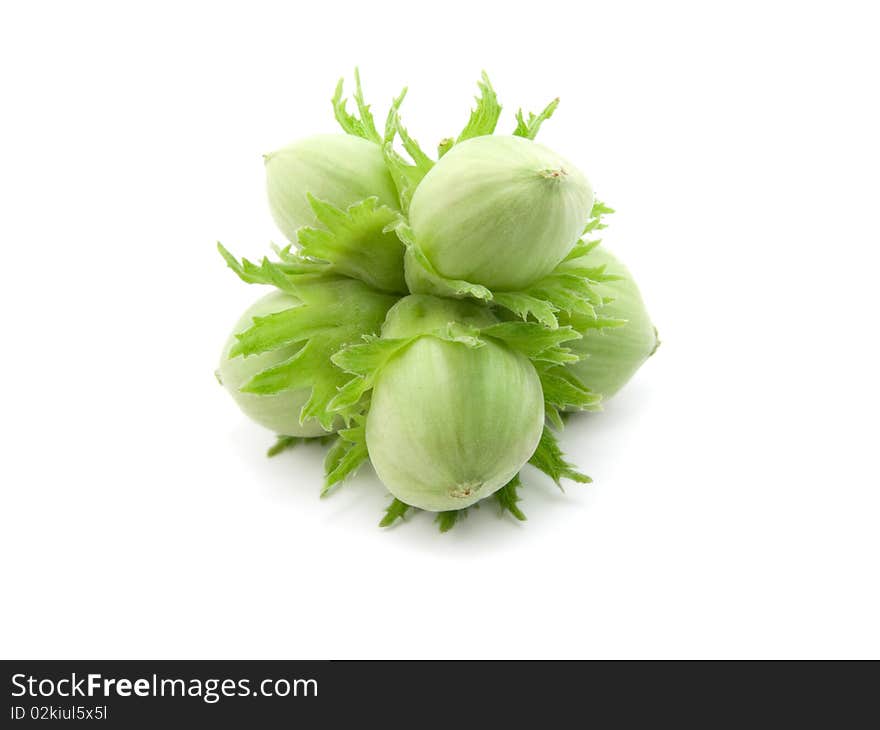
(420, 314)
(278, 412)
(338, 168)
(499, 211)
(450, 424)
(613, 355)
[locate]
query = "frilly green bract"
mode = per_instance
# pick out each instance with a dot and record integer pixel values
(359, 242)
(333, 311)
(276, 411)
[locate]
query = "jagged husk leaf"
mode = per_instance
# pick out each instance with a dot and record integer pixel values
(534, 340)
(334, 312)
(568, 289)
(529, 129)
(563, 391)
(423, 278)
(278, 412)
(406, 175)
(348, 453)
(525, 305)
(395, 511)
(355, 242)
(365, 360)
(277, 274)
(484, 117)
(362, 125)
(283, 443)
(548, 458)
(508, 497)
(447, 520)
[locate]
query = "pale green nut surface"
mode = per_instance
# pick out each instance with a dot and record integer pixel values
(499, 211)
(451, 424)
(338, 168)
(419, 314)
(279, 411)
(613, 355)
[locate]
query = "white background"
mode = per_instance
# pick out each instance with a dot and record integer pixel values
(735, 506)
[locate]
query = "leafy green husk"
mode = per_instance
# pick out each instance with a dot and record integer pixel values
(360, 126)
(529, 129)
(484, 117)
(507, 497)
(283, 443)
(268, 272)
(563, 391)
(548, 458)
(355, 242)
(335, 311)
(395, 511)
(345, 457)
(421, 275)
(406, 175)
(447, 520)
